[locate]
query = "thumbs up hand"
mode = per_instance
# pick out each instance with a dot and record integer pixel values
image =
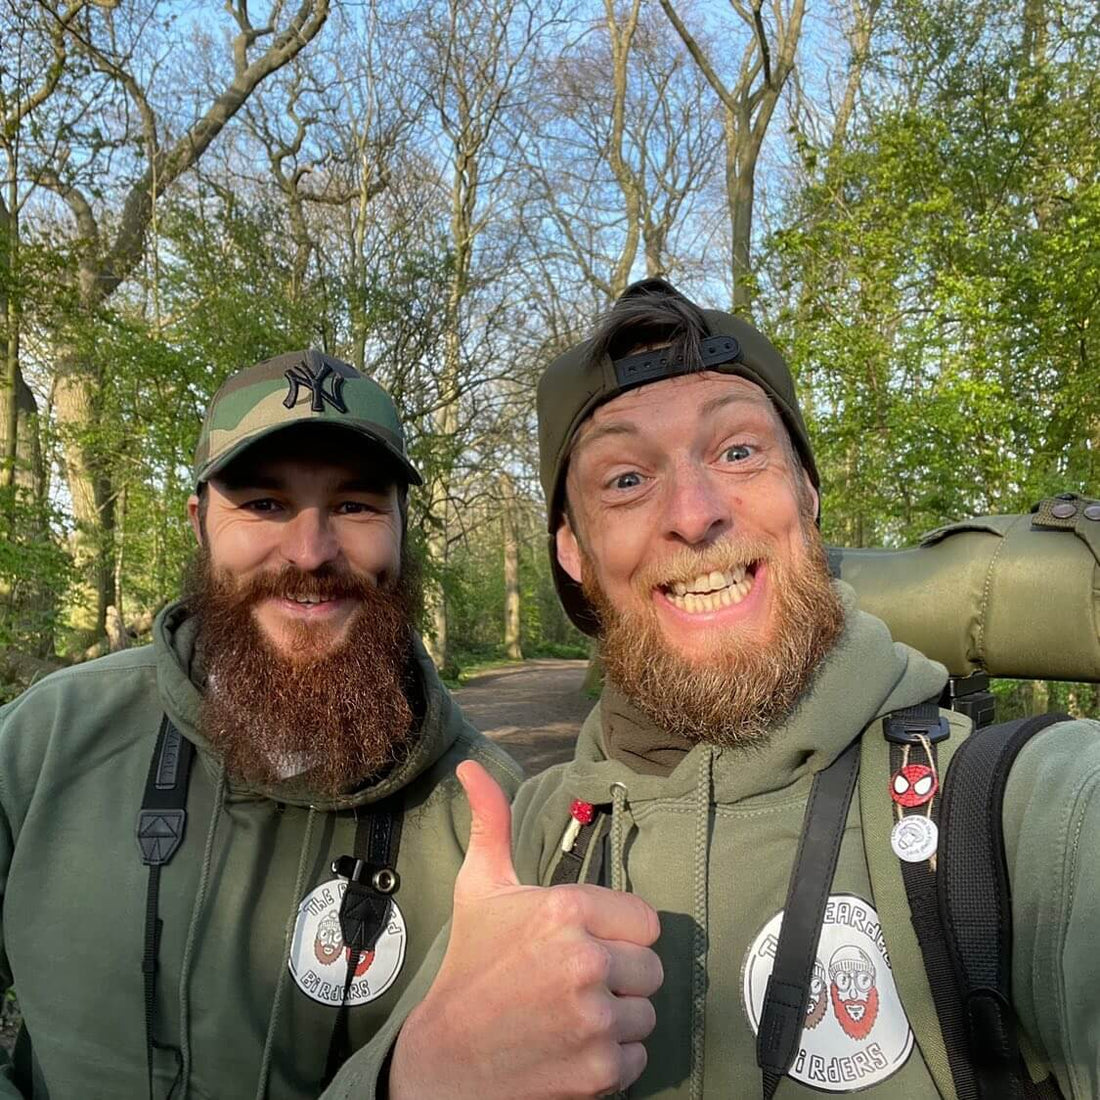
(543, 993)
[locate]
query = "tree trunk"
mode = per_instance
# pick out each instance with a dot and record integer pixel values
(509, 523)
(740, 192)
(1040, 697)
(439, 488)
(90, 489)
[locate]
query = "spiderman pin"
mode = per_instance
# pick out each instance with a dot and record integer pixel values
(913, 785)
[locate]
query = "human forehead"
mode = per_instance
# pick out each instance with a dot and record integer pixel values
(664, 407)
(322, 465)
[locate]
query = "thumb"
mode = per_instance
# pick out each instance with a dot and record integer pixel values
(488, 860)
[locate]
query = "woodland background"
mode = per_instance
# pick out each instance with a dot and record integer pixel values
(903, 193)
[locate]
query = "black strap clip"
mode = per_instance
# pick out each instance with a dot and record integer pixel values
(911, 725)
(365, 907)
(383, 879)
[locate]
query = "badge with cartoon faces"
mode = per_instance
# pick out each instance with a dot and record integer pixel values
(319, 957)
(855, 1033)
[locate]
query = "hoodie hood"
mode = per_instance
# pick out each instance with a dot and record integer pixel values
(866, 675)
(179, 681)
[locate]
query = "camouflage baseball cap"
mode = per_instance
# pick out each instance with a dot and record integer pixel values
(577, 382)
(301, 387)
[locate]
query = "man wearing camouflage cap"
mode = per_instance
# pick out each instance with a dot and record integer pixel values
(736, 775)
(225, 853)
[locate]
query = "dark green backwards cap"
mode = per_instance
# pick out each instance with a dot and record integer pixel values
(301, 387)
(585, 377)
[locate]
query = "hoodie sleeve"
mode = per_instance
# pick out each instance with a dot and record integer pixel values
(1052, 845)
(7, 845)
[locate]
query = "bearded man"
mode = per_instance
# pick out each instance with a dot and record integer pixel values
(287, 730)
(739, 774)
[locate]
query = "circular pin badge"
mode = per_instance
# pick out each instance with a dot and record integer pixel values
(915, 838)
(855, 1032)
(319, 957)
(913, 785)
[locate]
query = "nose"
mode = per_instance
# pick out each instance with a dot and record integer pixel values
(697, 510)
(309, 540)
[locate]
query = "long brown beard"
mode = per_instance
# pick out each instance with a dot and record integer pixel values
(337, 714)
(744, 686)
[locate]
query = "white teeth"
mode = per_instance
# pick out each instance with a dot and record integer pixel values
(710, 591)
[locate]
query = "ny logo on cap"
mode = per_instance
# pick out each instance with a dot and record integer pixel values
(313, 372)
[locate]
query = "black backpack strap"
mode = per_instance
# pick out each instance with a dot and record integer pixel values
(788, 990)
(975, 905)
(921, 728)
(160, 827)
(364, 909)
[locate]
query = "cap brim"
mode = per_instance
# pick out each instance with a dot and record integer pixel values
(402, 465)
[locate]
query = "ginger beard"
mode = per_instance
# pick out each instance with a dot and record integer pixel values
(337, 713)
(744, 687)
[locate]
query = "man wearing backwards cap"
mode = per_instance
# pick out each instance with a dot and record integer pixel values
(682, 495)
(324, 826)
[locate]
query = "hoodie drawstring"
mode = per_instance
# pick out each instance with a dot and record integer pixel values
(699, 912)
(192, 933)
(618, 806)
(288, 940)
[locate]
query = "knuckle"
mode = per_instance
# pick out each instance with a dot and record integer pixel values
(595, 1019)
(564, 906)
(604, 1068)
(590, 963)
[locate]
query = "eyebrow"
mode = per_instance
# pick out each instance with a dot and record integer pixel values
(622, 427)
(249, 479)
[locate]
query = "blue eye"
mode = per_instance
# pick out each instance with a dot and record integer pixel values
(627, 481)
(737, 453)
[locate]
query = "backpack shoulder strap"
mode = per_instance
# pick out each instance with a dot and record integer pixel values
(892, 900)
(975, 905)
(160, 828)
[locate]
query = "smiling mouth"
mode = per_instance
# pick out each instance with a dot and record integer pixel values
(711, 591)
(311, 603)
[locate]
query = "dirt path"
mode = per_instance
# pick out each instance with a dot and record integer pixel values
(533, 710)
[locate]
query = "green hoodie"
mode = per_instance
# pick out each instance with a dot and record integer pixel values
(250, 975)
(708, 836)
(709, 840)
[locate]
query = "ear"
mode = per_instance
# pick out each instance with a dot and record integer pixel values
(193, 517)
(569, 551)
(812, 496)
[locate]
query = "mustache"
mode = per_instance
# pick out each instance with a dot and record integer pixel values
(329, 582)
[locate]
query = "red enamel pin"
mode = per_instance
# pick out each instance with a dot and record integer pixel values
(913, 785)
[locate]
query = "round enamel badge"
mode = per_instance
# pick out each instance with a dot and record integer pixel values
(319, 959)
(856, 1033)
